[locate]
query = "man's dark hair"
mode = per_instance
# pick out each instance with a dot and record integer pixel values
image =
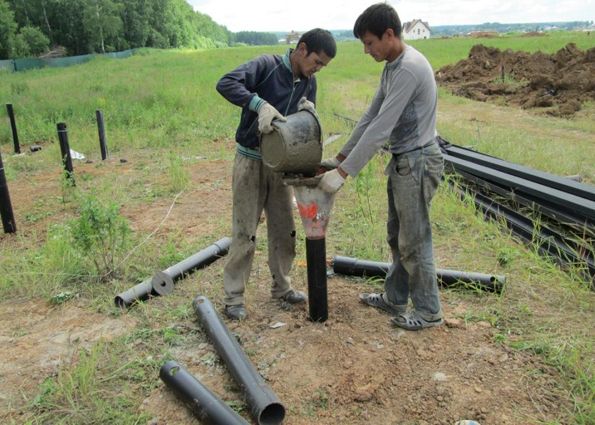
(318, 40)
(376, 19)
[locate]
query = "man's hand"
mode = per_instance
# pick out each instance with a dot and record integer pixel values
(330, 164)
(266, 114)
(331, 181)
(305, 104)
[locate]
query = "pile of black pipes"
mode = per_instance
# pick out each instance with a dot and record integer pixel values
(205, 405)
(265, 406)
(366, 268)
(555, 214)
(162, 282)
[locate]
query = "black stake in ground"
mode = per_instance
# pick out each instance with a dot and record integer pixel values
(101, 130)
(5, 206)
(13, 126)
(65, 150)
(317, 289)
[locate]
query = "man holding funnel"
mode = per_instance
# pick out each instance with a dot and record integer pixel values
(402, 113)
(267, 88)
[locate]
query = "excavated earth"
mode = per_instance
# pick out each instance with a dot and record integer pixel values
(558, 83)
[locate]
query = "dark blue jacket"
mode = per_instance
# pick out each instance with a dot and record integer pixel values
(267, 77)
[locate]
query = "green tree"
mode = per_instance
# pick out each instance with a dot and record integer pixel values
(103, 25)
(8, 28)
(31, 41)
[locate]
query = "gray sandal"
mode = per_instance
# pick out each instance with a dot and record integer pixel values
(378, 301)
(412, 321)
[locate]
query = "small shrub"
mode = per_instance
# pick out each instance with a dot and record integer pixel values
(102, 235)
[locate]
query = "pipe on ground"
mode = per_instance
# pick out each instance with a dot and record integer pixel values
(265, 406)
(162, 282)
(206, 406)
(365, 268)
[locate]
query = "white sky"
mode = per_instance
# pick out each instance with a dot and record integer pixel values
(280, 15)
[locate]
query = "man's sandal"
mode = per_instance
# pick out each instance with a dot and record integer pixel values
(412, 321)
(379, 301)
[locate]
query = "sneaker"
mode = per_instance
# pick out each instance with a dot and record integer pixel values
(379, 301)
(294, 297)
(236, 312)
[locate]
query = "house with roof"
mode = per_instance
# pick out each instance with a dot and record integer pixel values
(416, 30)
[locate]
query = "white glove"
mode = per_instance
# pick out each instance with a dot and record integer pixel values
(331, 181)
(305, 104)
(266, 114)
(331, 163)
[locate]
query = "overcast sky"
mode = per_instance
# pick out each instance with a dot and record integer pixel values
(280, 15)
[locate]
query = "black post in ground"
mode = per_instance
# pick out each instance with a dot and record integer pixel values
(101, 130)
(65, 150)
(13, 126)
(5, 206)
(317, 292)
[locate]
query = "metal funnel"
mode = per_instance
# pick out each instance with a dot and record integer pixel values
(314, 205)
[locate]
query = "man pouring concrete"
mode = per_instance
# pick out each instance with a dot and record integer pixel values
(267, 88)
(402, 112)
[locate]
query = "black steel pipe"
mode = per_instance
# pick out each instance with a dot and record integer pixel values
(8, 222)
(550, 180)
(317, 288)
(561, 215)
(65, 150)
(565, 201)
(163, 281)
(548, 242)
(101, 131)
(13, 126)
(206, 406)
(265, 406)
(365, 268)
(141, 292)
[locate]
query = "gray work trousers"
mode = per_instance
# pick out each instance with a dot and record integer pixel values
(255, 187)
(412, 182)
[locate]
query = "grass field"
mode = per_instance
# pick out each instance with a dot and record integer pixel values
(165, 118)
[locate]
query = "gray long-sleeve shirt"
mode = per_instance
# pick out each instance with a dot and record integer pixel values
(403, 112)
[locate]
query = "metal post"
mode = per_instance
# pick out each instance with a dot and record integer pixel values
(65, 150)
(101, 130)
(317, 290)
(5, 206)
(13, 125)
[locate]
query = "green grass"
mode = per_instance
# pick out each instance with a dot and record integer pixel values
(162, 113)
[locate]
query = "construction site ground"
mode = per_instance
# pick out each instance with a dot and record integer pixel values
(353, 369)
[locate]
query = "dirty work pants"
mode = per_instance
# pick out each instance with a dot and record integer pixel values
(412, 182)
(255, 187)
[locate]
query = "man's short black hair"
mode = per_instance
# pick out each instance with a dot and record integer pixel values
(318, 40)
(376, 19)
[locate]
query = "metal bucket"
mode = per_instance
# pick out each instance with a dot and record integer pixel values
(294, 146)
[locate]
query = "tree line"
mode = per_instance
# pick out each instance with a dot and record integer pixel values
(32, 27)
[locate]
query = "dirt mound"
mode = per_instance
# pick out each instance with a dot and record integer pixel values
(560, 82)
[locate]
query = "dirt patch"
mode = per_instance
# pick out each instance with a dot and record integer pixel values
(356, 369)
(558, 83)
(37, 338)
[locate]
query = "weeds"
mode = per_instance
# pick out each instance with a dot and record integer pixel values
(101, 235)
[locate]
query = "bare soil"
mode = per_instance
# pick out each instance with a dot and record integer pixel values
(353, 369)
(558, 83)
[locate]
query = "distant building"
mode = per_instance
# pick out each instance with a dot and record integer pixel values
(416, 30)
(292, 37)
